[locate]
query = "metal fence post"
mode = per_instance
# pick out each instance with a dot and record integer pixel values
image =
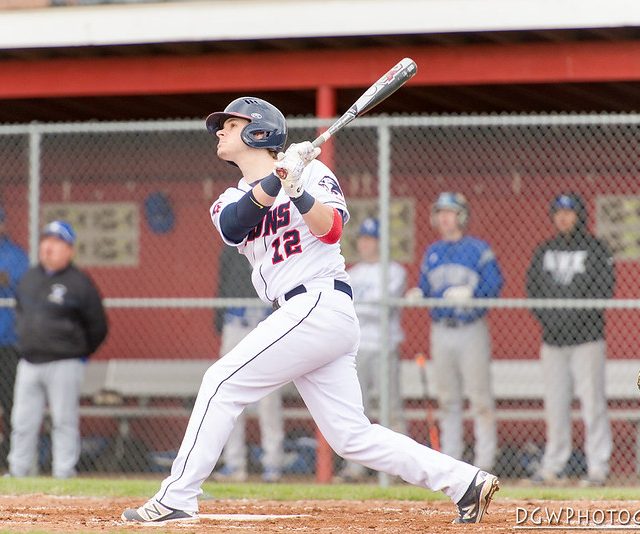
(384, 198)
(35, 138)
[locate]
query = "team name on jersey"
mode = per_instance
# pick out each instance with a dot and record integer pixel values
(564, 265)
(276, 218)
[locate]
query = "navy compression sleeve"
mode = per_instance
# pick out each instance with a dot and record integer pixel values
(239, 218)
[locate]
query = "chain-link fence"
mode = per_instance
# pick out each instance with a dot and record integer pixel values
(475, 376)
(29, 4)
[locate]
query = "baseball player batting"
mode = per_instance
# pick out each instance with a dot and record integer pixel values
(286, 216)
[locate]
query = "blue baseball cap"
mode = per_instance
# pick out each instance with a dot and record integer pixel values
(565, 202)
(60, 229)
(370, 227)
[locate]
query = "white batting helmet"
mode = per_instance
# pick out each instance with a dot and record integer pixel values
(454, 202)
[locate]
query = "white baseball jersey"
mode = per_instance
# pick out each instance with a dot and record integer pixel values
(274, 248)
(365, 282)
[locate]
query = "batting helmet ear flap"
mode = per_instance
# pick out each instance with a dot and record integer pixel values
(271, 138)
(463, 217)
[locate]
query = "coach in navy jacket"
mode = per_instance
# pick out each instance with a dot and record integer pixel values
(573, 265)
(60, 323)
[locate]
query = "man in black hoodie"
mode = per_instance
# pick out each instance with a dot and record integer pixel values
(573, 265)
(60, 323)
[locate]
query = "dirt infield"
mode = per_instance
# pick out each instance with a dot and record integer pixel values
(45, 513)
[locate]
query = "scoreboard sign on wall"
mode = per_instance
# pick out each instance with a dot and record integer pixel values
(618, 223)
(401, 221)
(108, 232)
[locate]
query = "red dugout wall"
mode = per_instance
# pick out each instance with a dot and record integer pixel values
(183, 263)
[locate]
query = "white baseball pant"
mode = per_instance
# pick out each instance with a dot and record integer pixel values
(311, 340)
(368, 368)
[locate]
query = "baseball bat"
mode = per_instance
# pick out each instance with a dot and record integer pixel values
(432, 427)
(388, 84)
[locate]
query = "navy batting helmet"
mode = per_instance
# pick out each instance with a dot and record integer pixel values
(454, 202)
(263, 118)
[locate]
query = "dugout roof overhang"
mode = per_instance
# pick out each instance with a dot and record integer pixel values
(492, 59)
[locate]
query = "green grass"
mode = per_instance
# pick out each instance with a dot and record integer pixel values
(144, 488)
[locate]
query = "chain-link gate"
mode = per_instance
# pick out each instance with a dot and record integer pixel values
(138, 195)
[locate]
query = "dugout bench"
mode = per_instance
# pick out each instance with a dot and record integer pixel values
(142, 381)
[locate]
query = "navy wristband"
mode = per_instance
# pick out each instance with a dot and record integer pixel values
(271, 185)
(304, 202)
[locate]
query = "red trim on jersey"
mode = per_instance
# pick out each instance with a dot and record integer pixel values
(335, 232)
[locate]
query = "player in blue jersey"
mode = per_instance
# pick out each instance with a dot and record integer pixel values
(13, 264)
(459, 267)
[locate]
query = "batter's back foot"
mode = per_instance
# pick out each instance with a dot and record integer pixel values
(476, 500)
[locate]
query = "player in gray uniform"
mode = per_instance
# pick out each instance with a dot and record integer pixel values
(458, 267)
(286, 216)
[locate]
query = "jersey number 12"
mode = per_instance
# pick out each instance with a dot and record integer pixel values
(290, 245)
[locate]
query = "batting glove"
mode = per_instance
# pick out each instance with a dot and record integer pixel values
(307, 151)
(458, 293)
(413, 294)
(290, 165)
(289, 169)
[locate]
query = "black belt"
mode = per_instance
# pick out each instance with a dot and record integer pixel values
(338, 285)
(450, 322)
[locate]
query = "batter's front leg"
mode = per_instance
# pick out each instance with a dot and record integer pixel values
(261, 363)
(222, 397)
(332, 394)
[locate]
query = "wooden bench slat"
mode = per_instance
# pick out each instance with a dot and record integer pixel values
(512, 378)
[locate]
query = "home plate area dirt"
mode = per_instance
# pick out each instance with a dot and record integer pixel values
(44, 513)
